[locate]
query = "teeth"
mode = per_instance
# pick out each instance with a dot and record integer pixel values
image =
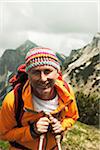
(43, 86)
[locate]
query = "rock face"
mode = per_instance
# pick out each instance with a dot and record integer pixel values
(82, 67)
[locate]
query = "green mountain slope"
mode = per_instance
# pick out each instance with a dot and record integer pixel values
(81, 137)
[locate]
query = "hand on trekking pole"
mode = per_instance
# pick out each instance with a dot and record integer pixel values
(56, 125)
(42, 125)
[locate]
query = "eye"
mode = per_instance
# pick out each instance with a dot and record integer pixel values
(47, 71)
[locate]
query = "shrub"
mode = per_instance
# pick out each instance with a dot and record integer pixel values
(88, 106)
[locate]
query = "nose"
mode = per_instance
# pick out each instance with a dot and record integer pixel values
(43, 77)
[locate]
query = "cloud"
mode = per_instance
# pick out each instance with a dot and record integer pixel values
(62, 43)
(51, 17)
(51, 24)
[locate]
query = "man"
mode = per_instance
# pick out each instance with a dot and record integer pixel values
(48, 103)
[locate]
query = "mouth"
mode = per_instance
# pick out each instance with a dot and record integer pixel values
(44, 86)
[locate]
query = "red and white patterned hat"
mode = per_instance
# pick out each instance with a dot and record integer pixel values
(40, 56)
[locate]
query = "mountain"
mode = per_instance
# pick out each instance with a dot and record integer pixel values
(25, 47)
(12, 58)
(81, 68)
(9, 62)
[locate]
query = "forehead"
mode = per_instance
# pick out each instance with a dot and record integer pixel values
(44, 67)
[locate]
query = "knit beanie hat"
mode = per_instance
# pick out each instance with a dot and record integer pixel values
(40, 56)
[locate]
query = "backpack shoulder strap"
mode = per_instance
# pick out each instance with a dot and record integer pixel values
(18, 113)
(18, 104)
(17, 82)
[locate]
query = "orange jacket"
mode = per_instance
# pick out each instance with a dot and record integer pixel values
(8, 130)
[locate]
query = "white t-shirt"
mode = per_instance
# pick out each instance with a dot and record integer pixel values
(45, 105)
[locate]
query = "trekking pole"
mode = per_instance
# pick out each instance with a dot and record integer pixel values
(42, 138)
(58, 137)
(41, 141)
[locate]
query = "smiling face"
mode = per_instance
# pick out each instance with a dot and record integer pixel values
(42, 80)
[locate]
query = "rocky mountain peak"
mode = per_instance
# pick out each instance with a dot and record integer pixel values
(82, 70)
(96, 41)
(24, 48)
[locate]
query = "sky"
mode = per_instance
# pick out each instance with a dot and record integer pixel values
(59, 25)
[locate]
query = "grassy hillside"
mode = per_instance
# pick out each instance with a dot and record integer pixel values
(79, 137)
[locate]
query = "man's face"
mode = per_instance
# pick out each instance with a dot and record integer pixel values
(42, 79)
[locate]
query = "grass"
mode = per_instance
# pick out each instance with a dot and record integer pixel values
(79, 137)
(4, 145)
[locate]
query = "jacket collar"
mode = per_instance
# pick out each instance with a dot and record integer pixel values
(63, 93)
(27, 95)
